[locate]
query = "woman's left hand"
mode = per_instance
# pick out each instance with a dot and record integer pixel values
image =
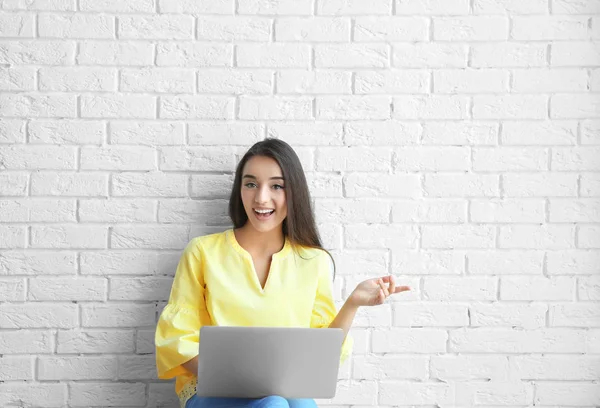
(375, 291)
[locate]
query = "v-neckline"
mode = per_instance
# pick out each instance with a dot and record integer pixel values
(245, 254)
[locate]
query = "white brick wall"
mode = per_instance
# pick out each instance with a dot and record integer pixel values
(454, 143)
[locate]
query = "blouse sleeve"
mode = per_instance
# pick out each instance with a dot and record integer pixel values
(176, 338)
(324, 309)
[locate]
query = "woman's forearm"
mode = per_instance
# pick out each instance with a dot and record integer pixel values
(345, 317)
(191, 365)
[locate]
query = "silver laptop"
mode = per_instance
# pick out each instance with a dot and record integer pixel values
(254, 362)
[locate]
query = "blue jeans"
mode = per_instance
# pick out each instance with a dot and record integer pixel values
(271, 401)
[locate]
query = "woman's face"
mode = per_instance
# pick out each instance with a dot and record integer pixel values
(263, 193)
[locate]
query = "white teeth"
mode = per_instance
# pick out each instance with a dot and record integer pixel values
(264, 211)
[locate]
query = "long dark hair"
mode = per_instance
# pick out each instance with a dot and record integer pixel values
(299, 225)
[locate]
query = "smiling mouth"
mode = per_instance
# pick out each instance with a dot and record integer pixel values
(263, 215)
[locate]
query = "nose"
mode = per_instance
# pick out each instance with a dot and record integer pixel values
(262, 195)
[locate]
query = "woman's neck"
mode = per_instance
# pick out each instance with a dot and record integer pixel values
(260, 243)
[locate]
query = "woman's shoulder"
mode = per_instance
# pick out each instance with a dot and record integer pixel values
(207, 242)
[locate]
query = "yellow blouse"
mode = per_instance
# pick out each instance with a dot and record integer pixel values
(215, 284)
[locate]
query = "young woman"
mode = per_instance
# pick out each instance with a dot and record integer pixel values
(270, 269)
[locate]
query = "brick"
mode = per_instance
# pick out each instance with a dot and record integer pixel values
(396, 82)
(352, 107)
(461, 185)
(69, 236)
(386, 133)
(587, 236)
(550, 80)
(232, 81)
(380, 235)
(144, 342)
(510, 159)
(575, 159)
(12, 290)
(66, 288)
(38, 105)
(350, 262)
(69, 184)
(352, 159)
(118, 158)
(324, 185)
(39, 52)
(424, 262)
(276, 7)
(494, 340)
(393, 29)
(77, 25)
(197, 159)
(574, 7)
(195, 107)
(507, 211)
(95, 341)
(469, 367)
(68, 132)
(460, 133)
(32, 263)
(115, 53)
(12, 131)
(537, 288)
(196, 6)
(193, 55)
(37, 210)
(116, 6)
(353, 7)
(147, 133)
(13, 184)
(121, 394)
(545, 236)
(313, 82)
(161, 80)
(498, 393)
(458, 236)
(432, 7)
(540, 185)
(499, 314)
(470, 28)
(307, 133)
(392, 393)
(116, 315)
(590, 131)
(236, 28)
(150, 237)
(590, 185)
(315, 29)
(426, 211)
(566, 393)
(352, 56)
(548, 367)
(354, 392)
(574, 210)
(430, 107)
(539, 133)
(16, 368)
(575, 315)
(112, 262)
(447, 158)
(514, 7)
(505, 263)
(508, 55)
(45, 5)
(148, 289)
(275, 55)
(137, 368)
(114, 211)
(38, 315)
(574, 54)
(510, 107)
(229, 133)
(12, 237)
(181, 211)
(149, 184)
(47, 395)
(576, 262)
(280, 108)
(549, 28)
(156, 27)
(470, 81)
(82, 368)
(573, 106)
(118, 106)
(22, 79)
(588, 288)
(381, 185)
(429, 55)
(451, 288)
(429, 314)
(37, 158)
(414, 340)
(372, 367)
(77, 79)
(358, 210)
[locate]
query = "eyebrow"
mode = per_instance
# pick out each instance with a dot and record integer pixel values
(253, 177)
